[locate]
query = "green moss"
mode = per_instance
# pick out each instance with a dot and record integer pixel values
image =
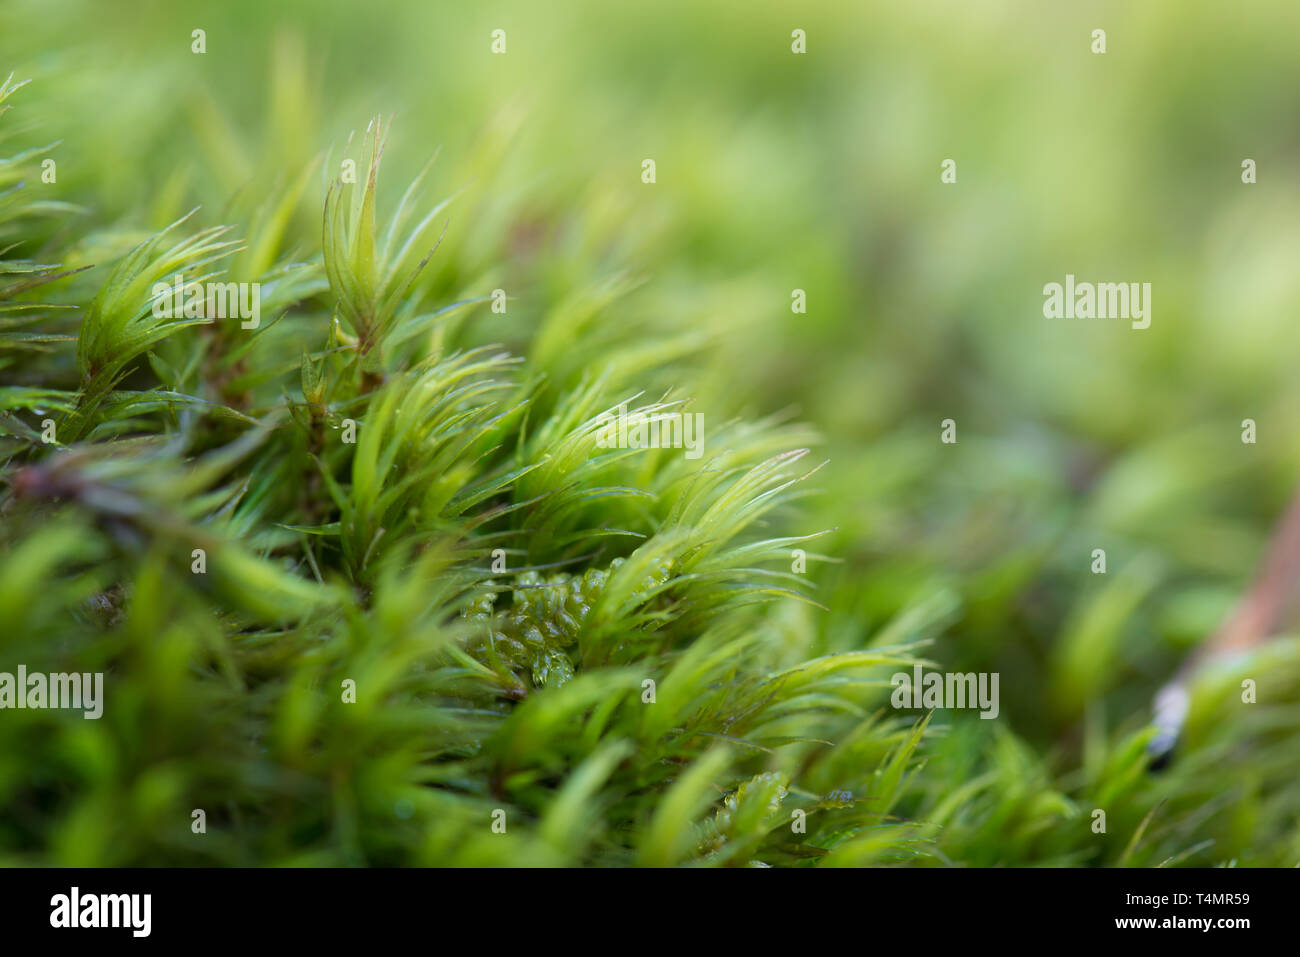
(653, 678)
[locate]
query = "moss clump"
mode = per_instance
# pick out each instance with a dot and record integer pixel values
(282, 545)
(362, 588)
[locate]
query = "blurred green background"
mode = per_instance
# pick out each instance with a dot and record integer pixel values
(821, 172)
